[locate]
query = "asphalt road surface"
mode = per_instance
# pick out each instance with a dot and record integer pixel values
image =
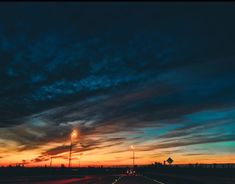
(122, 179)
(102, 179)
(159, 179)
(136, 180)
(171, 178)
(105, 180)
(91, 179)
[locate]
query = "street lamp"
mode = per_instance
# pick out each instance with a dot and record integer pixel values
(133, 149)
(51, 161)
(80, 156)
(72, 135)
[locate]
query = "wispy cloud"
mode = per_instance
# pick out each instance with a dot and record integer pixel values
(113, 80)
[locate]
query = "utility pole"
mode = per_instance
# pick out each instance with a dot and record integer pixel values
(70, 151)
(51, 162)
(73, 134)
(133, 157)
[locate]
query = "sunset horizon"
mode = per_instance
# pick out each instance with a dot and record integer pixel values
(111, 84)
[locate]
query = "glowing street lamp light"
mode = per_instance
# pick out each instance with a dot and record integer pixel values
(133, 149)
(72, 135)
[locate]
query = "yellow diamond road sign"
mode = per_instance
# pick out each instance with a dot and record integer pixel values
(169, 160)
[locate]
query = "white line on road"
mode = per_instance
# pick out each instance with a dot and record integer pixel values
(116, 180)
(153, 180)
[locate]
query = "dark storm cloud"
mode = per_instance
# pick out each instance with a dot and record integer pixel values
(88, 144)
(57, 150)
(112, 68)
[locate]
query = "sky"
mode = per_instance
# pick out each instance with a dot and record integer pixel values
(159, 76)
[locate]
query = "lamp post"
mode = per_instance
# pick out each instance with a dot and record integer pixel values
(80, 156)
(72, 135)
(51, 162)
(133, 151)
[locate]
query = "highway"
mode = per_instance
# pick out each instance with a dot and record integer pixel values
(122, 179)
(136, 180)
(102, 179)
(90, 179)
(105, 180)
(157, 179)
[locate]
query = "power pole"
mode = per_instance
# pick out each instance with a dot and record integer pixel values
(133, 158)
(51, 162)
(70, 151)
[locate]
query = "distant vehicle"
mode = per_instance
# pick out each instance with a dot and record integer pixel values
(130, 172)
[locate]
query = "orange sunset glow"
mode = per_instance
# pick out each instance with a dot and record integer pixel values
(85, 85)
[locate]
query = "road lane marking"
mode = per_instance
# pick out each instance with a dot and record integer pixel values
(154, 180)
(116, 180)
